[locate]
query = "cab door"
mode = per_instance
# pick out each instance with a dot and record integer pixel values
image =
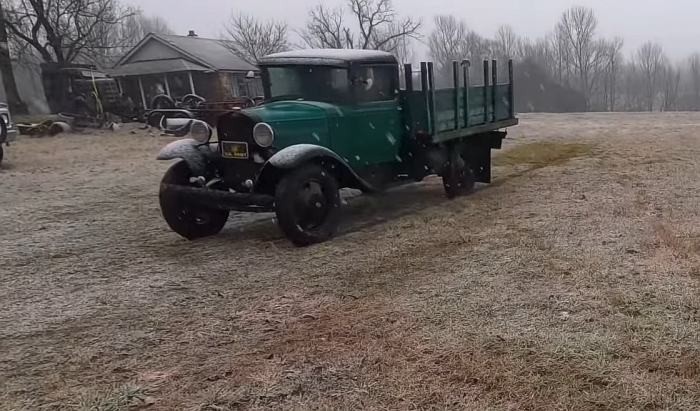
(373, 119)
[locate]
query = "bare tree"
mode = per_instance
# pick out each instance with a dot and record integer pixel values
(506, 44)
(611, 71)
(379, 23)
(64, 31)
(650, 60)
(376, 25)
(447, 43)
(326, 29)
(578, 26)
(671, 85)
(123, 37)
(694, 73)
(16, 104)
(151, 24)
(539, 51)
(252, 39)
(478, 47)
(561, 55)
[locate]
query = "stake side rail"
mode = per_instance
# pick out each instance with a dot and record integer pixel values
(461, 110)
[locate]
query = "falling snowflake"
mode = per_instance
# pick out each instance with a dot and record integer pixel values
(371, 125)
(391, 138)
(316, 136)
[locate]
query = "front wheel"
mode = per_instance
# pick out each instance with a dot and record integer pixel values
(307, 203)
(189, 220)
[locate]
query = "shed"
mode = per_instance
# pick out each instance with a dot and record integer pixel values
(181, 65)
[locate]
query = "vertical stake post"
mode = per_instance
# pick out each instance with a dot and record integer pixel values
(455, 78)
(431, 82)
(407, 112)
(486, 91)
(408, 77)
(494, 85)
(425, 91)
(511, 93)
(465, 68)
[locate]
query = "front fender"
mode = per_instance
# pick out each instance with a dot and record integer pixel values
(297, 155)
(194, 153)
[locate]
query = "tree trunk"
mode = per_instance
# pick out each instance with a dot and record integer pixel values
(15, 103)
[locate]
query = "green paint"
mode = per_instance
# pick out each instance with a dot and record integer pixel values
(364, 133)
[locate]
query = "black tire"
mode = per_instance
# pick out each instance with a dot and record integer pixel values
(2, 153)
(163, 102)
(190, 221)
(154, 119)
(458, 177)
(307, 203)
(191, 101)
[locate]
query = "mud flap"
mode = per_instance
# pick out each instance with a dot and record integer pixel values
(479, 154)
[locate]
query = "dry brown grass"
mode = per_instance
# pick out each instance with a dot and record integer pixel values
(571, 283)
(542, 154)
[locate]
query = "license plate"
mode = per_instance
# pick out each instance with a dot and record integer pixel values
(237, 150)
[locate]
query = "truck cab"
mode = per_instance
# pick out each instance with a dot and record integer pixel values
(347, 101)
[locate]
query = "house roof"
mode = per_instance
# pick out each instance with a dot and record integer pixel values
(195, 54)
(329, 57)
(212, 52)
(141, 68)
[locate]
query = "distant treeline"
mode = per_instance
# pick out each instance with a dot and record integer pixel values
(573, 68)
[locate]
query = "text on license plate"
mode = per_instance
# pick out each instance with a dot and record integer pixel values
(235, 149)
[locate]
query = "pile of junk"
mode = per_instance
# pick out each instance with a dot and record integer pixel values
(83, 97)
(174, 116)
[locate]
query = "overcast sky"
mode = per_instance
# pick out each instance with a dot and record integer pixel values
(673, 23)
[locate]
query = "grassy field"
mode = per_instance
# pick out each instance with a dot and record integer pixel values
(571, 282)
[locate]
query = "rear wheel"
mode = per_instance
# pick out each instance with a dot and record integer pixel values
(458, 177)
(307, 203)
(189, 220)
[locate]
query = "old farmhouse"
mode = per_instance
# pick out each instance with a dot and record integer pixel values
(181, 65)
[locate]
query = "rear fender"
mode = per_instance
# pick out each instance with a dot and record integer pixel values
(195, 154)
(294, 156)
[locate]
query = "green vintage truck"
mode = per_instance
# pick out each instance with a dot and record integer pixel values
(333, 119)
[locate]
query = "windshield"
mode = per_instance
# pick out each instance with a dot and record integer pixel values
(307, 83)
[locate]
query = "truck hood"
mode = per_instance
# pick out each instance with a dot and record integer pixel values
(296, 122)
(284, 111)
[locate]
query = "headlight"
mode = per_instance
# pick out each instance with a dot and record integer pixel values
(200, 131)
(6, 119)
(263, 134)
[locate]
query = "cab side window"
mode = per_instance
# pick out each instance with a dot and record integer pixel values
(374, 83)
